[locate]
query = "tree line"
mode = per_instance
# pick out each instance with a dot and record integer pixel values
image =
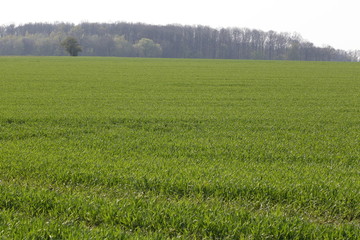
(171, 41)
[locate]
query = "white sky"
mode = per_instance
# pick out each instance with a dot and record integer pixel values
(323, 22)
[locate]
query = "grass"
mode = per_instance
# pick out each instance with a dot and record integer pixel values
(95, 148)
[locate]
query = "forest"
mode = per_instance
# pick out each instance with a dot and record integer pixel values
(124, 39)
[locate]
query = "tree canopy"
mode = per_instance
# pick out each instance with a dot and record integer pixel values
(72, 46)
(147, 48)
(170, 41)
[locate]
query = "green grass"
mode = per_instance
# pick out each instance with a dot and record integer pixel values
(95, 148)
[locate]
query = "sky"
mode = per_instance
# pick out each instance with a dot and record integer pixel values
(323, 22)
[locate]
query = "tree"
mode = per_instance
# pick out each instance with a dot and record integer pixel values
(147, 48)
(71, 46)
(122, 47)
(171, 41)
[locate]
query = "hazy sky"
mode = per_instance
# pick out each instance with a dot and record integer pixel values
(323, 22)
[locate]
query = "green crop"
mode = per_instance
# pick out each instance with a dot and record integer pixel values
(119, 148)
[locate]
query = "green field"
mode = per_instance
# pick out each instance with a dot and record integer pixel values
(117, 148)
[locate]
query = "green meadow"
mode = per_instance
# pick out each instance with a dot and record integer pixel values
(126, 148)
